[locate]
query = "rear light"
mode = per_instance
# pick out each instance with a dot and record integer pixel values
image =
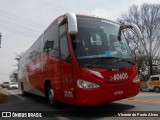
(136, 79)
(86, 84)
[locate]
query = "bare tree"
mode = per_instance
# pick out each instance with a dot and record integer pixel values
(14, 74)
(18, 56)
(147, 18)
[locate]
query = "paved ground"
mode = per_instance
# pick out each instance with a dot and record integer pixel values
(146, 101)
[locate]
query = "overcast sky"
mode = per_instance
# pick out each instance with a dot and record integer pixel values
(22, 21)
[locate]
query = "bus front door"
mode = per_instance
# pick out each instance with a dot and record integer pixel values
(66, 67)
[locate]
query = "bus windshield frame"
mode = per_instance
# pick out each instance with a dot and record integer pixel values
(99, 38)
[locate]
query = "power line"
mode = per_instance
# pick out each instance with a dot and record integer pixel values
(4, 74)
(18, 32)
(18, 29)
(20, 26)
(22, 20)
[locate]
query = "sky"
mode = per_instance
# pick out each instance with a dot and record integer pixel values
(22, 22)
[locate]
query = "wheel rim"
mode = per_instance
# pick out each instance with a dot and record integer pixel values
(51, 95)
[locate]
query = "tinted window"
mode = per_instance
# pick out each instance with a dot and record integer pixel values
(99, 38)
(6, 82)
(97, 41)
(155, 79)
(62, 29)
(64, 48)
(51, 44)
(13, 83)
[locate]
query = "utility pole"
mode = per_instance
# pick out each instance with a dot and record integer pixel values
(0, 39)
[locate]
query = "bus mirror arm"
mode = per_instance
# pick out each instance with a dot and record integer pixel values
(132, 26)
(72, 22)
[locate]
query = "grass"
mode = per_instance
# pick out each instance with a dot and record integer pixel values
(3, 97)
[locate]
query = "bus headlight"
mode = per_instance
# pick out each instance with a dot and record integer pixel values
(86, 84)
(136, 79)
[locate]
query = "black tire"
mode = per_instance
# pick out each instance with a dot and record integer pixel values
(22, 90)
(157, 89)
(50, 96)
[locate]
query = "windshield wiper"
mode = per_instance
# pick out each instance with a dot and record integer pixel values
(98, 59)
(128, 61)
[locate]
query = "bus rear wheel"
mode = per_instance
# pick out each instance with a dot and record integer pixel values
(50, 96)
(157, 89)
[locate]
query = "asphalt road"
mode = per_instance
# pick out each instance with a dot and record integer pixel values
(146, 101)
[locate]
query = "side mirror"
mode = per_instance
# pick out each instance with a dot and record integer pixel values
(72, 22)
(135, 27)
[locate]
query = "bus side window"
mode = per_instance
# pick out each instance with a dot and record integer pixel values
(51, 42)
(64, 46)
(48, 46)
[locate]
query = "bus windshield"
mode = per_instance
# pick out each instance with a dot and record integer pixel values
(97, 38)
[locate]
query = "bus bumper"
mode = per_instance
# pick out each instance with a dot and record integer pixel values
(106, 94)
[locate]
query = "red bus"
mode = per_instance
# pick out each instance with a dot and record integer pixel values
(80, 60)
